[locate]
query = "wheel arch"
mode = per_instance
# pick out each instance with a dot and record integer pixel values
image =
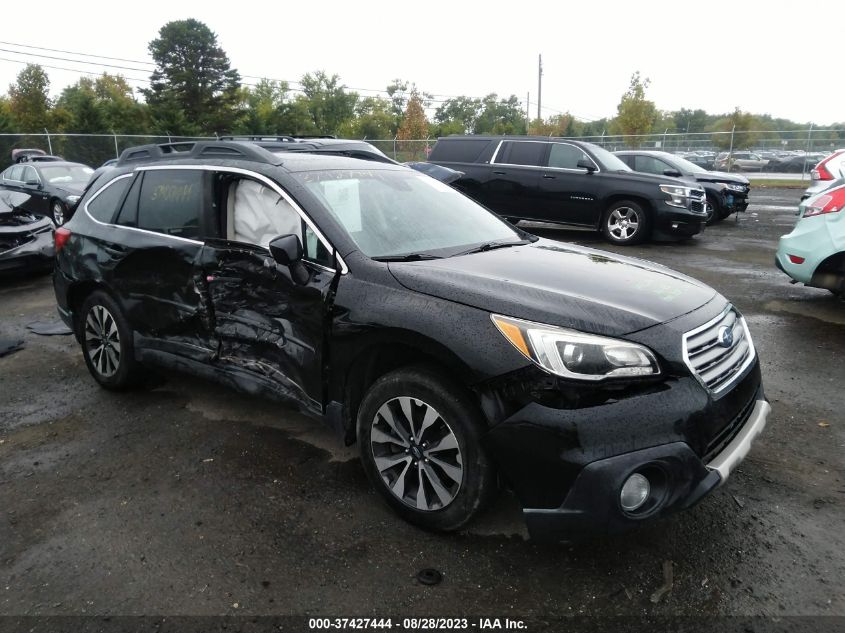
(77, 293)
(642, 201)
(374, 356)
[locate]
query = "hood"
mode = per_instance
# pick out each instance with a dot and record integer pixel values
(560, 284)
(656, 179)
(721, 176)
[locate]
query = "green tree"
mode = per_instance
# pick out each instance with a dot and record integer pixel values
(635, 113)
(263, 107)
(460, 113)
(80, 102)
(328, 102)
(122, 113)
(743, 126)
(500, 116)
(374, 119)
(29, 99)
(7, 122)
(193, 89)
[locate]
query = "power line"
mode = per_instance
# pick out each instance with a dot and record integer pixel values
(56, 50)
(73, 70)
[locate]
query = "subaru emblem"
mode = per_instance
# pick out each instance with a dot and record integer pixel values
(726, 336)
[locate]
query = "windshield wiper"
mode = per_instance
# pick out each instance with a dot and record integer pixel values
(489, 246)
(410, 257)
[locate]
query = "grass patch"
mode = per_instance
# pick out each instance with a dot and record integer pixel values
(779, 184)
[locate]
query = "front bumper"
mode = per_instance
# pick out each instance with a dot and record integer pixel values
(673, 223)
(680, 480)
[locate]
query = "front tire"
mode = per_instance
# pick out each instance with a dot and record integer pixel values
(420, 443)
(107, 343)
(625, 222)
(58, 211)
(715, 212)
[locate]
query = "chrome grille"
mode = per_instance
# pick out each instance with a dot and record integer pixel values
(696, 193)
(706, 352)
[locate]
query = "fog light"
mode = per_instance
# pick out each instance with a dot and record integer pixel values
(634, 492)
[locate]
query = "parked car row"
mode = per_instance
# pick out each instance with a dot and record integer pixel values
(457, 350)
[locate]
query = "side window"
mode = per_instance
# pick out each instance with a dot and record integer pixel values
(29, 174)
(565, 156)
(105, 204)
(314, 249)
(521, 153)
(650, 165)
(256, 214)
(15, 173)
(170, 202)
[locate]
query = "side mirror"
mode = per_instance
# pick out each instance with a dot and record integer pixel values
(674, 173)
(286, 249)
(586, 163)
(33, 183)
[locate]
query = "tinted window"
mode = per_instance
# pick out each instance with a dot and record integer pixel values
(566, 156)
(314, 249)
(14, 173)
(521, 153)
(650, 165)
(171, 202)
(458, 150)
(104, 206)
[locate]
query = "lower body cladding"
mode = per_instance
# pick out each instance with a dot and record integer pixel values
(604, 469)
(673, 223)
(25, 246)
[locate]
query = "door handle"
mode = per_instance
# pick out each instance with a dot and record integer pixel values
(549, 177)
(500, 173)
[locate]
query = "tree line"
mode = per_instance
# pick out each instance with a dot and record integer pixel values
(194, 91)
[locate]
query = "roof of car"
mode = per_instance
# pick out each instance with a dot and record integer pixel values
(301, 161)
(648, 152)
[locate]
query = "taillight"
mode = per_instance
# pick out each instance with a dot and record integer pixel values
(62, 236)
(821, 172)
(796, 260)
(828, 202)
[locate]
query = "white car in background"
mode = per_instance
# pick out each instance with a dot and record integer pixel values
(829, 169)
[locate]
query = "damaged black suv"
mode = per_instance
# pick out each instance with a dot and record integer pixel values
(456, 349)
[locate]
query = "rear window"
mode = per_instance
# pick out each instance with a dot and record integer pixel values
(171, 202)
(104, 205)
(458, 150)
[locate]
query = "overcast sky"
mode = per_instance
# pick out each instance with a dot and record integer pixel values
(713, 54)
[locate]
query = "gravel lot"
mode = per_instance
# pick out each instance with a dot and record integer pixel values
(188, 499)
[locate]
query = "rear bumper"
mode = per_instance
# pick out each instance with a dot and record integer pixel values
(37, 254)
(680, 480)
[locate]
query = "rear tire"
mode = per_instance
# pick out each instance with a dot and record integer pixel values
(625, 223)
(107, 343)
(420, 443)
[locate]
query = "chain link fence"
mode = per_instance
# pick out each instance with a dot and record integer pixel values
(95, 149)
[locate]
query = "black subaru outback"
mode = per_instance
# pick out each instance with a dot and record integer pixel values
(456, 349)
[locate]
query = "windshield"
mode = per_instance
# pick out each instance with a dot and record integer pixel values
(391, 213)
(64, 173)
(608, 161)
(687, 166)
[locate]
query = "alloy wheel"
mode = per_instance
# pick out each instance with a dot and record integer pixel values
(416, 453)
(58, 213)
(623, 223)
(102, 340)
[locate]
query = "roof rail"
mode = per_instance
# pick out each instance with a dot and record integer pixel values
(259, 137)
(316, 136)
(198, 149)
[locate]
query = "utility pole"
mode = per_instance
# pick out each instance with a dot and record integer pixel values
(539, 86)
(528, 113)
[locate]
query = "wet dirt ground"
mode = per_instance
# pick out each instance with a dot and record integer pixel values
(185, 498)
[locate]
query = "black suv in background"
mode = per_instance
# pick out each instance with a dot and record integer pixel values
(456, 349)
(726, 193)
(574, 183)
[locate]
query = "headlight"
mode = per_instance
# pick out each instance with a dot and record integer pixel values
(72, 200)
(677, 195)
(735, 187)
(572, 354)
